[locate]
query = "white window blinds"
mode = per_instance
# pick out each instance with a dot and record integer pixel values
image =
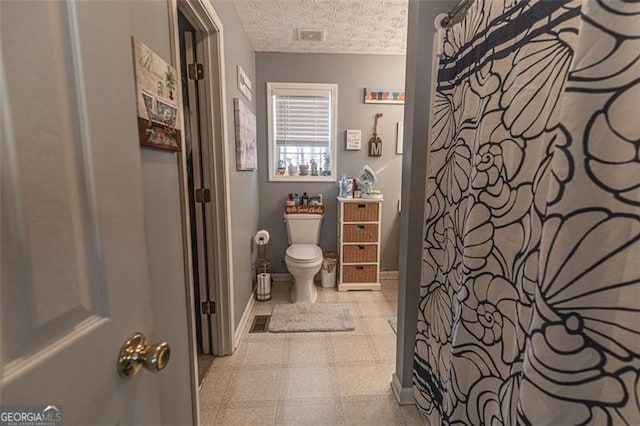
(302, 120)
(301, 123)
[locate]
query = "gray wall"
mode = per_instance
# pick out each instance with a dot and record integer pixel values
(352, 73)
(419, 59)
(243, 185)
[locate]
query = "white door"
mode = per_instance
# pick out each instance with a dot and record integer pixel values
(74, 277)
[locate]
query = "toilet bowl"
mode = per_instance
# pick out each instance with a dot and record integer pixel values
(303, 263)
(303, 257)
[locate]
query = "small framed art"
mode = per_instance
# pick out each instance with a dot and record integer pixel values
(354, 140)
(383, 96)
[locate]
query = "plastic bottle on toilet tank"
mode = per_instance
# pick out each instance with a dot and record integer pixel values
(343, 186)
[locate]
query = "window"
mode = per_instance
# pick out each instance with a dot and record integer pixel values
(302, 131)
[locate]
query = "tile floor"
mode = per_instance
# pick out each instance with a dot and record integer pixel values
(204, 363)
(338, 378)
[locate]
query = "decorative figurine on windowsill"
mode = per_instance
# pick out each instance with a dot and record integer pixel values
(327, 166)
(304, 167)
(314, 167)
(293, 169)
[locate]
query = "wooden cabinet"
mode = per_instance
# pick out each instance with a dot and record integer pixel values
(359, 223)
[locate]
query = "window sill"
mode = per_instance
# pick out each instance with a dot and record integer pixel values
(302, 179)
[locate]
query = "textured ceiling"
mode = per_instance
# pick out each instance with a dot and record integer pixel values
(352, 26)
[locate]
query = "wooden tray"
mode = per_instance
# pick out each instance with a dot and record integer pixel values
(304, 209)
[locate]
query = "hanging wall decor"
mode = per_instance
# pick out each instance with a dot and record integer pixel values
(399, 137)
(354, 139)
(244, 83)
(158, 99)
(245, 123)
(375, 142)
(383, 96)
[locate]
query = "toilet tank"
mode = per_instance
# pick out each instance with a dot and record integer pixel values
(303, 228)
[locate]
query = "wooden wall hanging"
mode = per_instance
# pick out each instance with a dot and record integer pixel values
(375, 143)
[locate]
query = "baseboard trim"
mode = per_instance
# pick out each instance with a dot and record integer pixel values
(403, 395)
(389, 275)
(243, 321)
(282, 277)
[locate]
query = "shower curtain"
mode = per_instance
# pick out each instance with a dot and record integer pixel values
(530, 294)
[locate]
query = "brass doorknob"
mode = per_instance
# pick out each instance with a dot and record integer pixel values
(136, 353)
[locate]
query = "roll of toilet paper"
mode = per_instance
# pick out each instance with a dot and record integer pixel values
(262, 237)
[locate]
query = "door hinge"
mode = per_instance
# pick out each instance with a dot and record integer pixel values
(196, 71)
(203, 195)
(208, 308)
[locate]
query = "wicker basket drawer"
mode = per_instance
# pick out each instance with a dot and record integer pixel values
(361, 233)
(360, 253)
(359, 273)
(361, 212)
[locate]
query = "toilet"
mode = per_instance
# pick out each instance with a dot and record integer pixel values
(303, 257)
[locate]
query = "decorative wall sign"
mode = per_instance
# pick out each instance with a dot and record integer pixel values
(399, 137)
(383, 96)
(245, 120)
(158, 99)
(375, 142)
(244, 84)
(304, 209)
(354, 140)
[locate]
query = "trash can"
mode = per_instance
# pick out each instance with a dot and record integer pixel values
(263, 287)
(328, 271)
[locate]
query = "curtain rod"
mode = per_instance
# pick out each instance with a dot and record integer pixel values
(456, 14)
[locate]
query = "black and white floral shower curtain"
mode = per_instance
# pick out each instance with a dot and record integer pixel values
(530, 297)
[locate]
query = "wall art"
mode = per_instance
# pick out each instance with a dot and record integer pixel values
(158, 99)
(383, 96)
(245, 123)
(354, 139)
(244, 83)
(399, 136)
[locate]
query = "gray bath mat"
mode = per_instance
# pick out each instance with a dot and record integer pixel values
(293, 317)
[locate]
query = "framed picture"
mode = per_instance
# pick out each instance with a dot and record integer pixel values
(383, 96)
(354, 139)
(399, 136)
(159, 106)
(245, 123)
(244, 84)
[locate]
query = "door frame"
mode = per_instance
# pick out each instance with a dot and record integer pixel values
(201, 213)
(204, 19)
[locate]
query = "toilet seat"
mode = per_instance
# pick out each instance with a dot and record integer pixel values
(304, 253)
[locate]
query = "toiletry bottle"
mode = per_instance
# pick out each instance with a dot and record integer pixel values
(305, 199)
(357, 192)
(290, 201)
(296, 199)
(343, 186)
(349, 189)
